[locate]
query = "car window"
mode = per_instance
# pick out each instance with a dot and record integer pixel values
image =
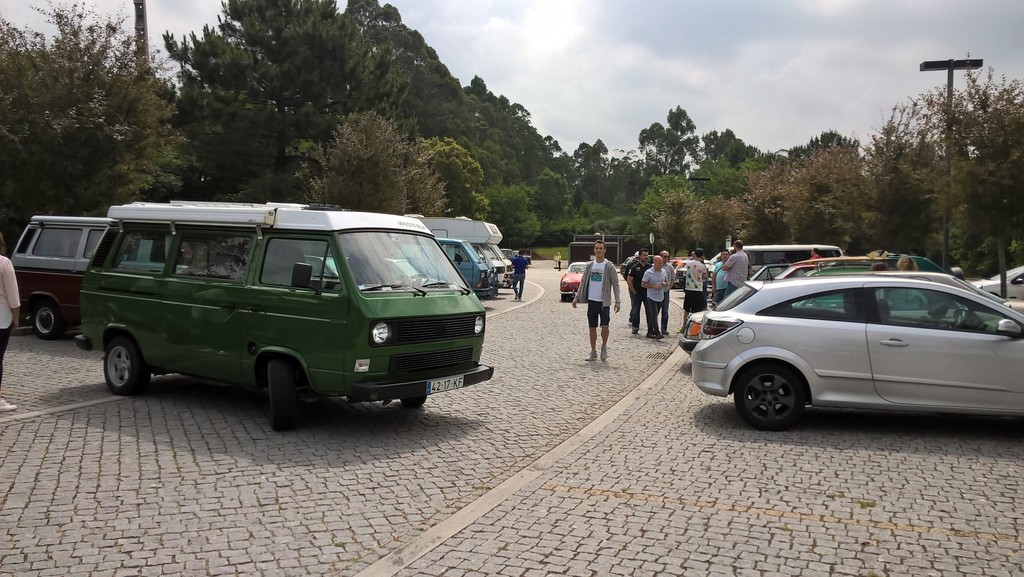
(838, 305)
(142, 251)
(736, 297)
(283, 253)
(931, 309)
(92, 240)
(213, 256)
(577, 267)
(57, 242)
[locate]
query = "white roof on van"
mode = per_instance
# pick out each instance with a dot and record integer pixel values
(76, 220)
(272, 215)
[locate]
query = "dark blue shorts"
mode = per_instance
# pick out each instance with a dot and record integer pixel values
(596, 309)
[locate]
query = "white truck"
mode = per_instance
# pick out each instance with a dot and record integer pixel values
(484, 236)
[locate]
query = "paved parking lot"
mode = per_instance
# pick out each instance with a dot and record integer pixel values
(556, 466)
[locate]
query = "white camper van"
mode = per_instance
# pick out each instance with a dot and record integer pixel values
(482, 235)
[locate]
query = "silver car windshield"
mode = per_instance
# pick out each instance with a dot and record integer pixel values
(394, 260)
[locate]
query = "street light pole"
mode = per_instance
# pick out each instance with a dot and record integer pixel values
(949, 66)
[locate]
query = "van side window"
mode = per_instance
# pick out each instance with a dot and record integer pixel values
(91, 241)
(142, 251)
(57, 242)
(26, 240)
(216, 256)
(283, 253)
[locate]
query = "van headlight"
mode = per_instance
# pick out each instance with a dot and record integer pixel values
(478, 325)
(380, 333)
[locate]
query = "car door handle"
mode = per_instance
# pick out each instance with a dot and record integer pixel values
(894, 343)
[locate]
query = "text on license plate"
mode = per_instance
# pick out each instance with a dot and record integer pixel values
(445, 384)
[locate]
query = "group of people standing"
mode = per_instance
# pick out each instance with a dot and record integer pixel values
(649, 280)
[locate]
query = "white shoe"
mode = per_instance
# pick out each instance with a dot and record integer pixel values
(5, 406)
(592, 356)
(604, 353)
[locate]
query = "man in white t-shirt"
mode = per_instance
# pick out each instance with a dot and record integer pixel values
(695, 299)
(656, 282)
(600, 280)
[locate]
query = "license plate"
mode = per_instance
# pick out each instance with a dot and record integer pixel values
(445, 384)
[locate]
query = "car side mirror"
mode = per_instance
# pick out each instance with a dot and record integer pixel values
(1018, 280)
(302, 274)
(1009, 328)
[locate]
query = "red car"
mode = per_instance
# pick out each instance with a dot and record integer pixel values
(570, 282)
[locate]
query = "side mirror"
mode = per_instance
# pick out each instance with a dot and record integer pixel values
(1009, 328)
(302, 274)
(1018, 280)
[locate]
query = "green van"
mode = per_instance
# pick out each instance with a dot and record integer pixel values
(282, 297)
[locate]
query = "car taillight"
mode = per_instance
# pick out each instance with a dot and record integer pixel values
(694, 331)
(713, 328)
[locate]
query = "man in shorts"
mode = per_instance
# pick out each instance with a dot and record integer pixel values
(600, 280)
(694, 297)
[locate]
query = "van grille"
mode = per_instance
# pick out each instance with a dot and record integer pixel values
(430, 360)
(433, 329)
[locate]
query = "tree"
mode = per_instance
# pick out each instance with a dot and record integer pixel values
(553, 198)
(901, 169)
(370, 166)
(727, 148)
(670, 149)
(461, 175)
(268, 85)
(510, 210)
(82, 121)
(988, 120)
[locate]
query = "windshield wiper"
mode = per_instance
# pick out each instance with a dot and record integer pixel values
(436, 284)
(381, 287)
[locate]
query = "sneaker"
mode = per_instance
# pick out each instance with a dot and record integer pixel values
(592, 356)
(636, 330)
(5, 406)
(653, 336)
(604, 353)
(659, 336)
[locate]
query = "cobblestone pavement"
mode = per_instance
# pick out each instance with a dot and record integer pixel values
(555, 467)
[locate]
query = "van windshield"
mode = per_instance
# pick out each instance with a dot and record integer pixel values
(397, 260)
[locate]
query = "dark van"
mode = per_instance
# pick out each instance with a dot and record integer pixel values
(49, 261)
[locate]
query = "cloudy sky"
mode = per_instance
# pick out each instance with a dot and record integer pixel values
(777, 73)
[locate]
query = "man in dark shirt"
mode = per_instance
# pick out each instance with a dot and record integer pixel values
(519, 266)
(634, 276)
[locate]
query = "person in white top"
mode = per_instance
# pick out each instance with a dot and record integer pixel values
(656, 282)
(10, 303)
(600, 281)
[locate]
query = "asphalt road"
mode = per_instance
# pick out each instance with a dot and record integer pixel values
(556, 466)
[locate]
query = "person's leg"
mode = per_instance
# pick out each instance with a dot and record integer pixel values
(636, 299)
(5, 335)
(719, 295)
(605, 321)
(652, 317)
(593, 317)
(729, 289)
(664, 315)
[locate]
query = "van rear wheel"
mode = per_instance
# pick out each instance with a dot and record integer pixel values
(124, 369)
(281, 382)
(47, 322)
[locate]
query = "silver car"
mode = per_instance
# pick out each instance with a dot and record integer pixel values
(867, 341)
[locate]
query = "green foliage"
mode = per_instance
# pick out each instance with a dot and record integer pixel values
(461, 175)
(826, 140)
(268, 85)
(82, 121)
(553, 197)
(727, 149)
(670, 149)
(511, 211)
(370, 166)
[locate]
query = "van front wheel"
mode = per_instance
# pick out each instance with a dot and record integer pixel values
(124, 369)
(47, 322)
(281, 382)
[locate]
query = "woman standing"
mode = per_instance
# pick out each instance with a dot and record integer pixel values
(9, 304)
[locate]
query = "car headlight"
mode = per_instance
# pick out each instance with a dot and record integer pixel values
(478, 325)
(380, 333)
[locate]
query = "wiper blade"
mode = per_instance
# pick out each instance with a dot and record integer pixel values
(388, 287)
(437, 284)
